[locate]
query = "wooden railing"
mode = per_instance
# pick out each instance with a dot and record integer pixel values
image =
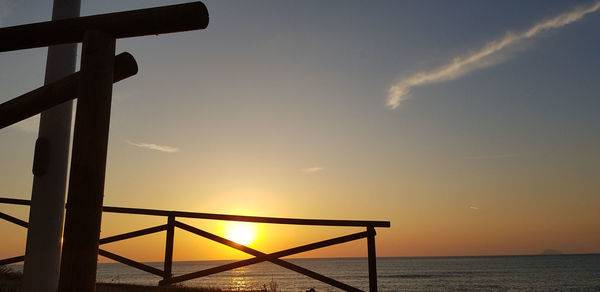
(275, 257)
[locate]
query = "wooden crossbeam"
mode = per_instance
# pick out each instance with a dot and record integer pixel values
(260, 257)
(256, 219)
(15, 201)
(150, 21)
(211, 216)
(55, 93)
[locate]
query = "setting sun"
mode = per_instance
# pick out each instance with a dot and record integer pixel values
(241, 232)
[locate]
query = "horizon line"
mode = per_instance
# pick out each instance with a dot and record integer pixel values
(384, 257)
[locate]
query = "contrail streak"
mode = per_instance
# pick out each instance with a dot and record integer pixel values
(484, 57)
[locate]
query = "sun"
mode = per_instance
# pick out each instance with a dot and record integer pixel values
(241, 232)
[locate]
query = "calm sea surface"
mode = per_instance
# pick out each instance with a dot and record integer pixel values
(499, 273)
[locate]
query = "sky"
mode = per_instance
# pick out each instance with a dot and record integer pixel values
(473, 126)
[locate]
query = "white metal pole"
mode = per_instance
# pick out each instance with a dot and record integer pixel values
(42, 254)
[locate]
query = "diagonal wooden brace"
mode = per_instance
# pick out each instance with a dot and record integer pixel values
(55, 93)
(133, 234)
(13, 260)
(260, 257)
(130, 262)
(14, 220)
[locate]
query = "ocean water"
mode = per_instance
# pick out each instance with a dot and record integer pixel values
(496, 273)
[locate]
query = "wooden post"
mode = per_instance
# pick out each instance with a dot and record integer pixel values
(168, 268)
(88, 164)
(372, 259)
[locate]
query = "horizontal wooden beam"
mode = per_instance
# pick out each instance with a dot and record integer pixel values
(150, 21)
(272, 220)
(55, 93)
(133, 234)
(130, 262)
(12, 201)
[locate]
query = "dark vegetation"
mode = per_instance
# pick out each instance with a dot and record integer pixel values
(10, 281)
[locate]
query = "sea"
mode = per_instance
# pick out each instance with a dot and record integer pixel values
(478, 273)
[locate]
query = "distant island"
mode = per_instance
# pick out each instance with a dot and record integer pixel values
(551, 252)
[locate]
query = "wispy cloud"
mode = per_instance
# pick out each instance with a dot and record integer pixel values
(162, 148)
(491, 54)
(312, 169)
(474, 208)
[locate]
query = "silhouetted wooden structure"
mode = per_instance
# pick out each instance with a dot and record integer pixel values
(93, 88)
(275, 257)
(98, 35)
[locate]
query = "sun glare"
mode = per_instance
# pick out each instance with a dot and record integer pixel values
(241, 232)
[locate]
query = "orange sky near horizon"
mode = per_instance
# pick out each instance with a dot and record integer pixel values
(470, 232)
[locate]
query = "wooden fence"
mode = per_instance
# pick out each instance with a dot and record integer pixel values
(275, 257)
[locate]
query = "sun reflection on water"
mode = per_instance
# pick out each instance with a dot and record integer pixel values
(240, 280)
